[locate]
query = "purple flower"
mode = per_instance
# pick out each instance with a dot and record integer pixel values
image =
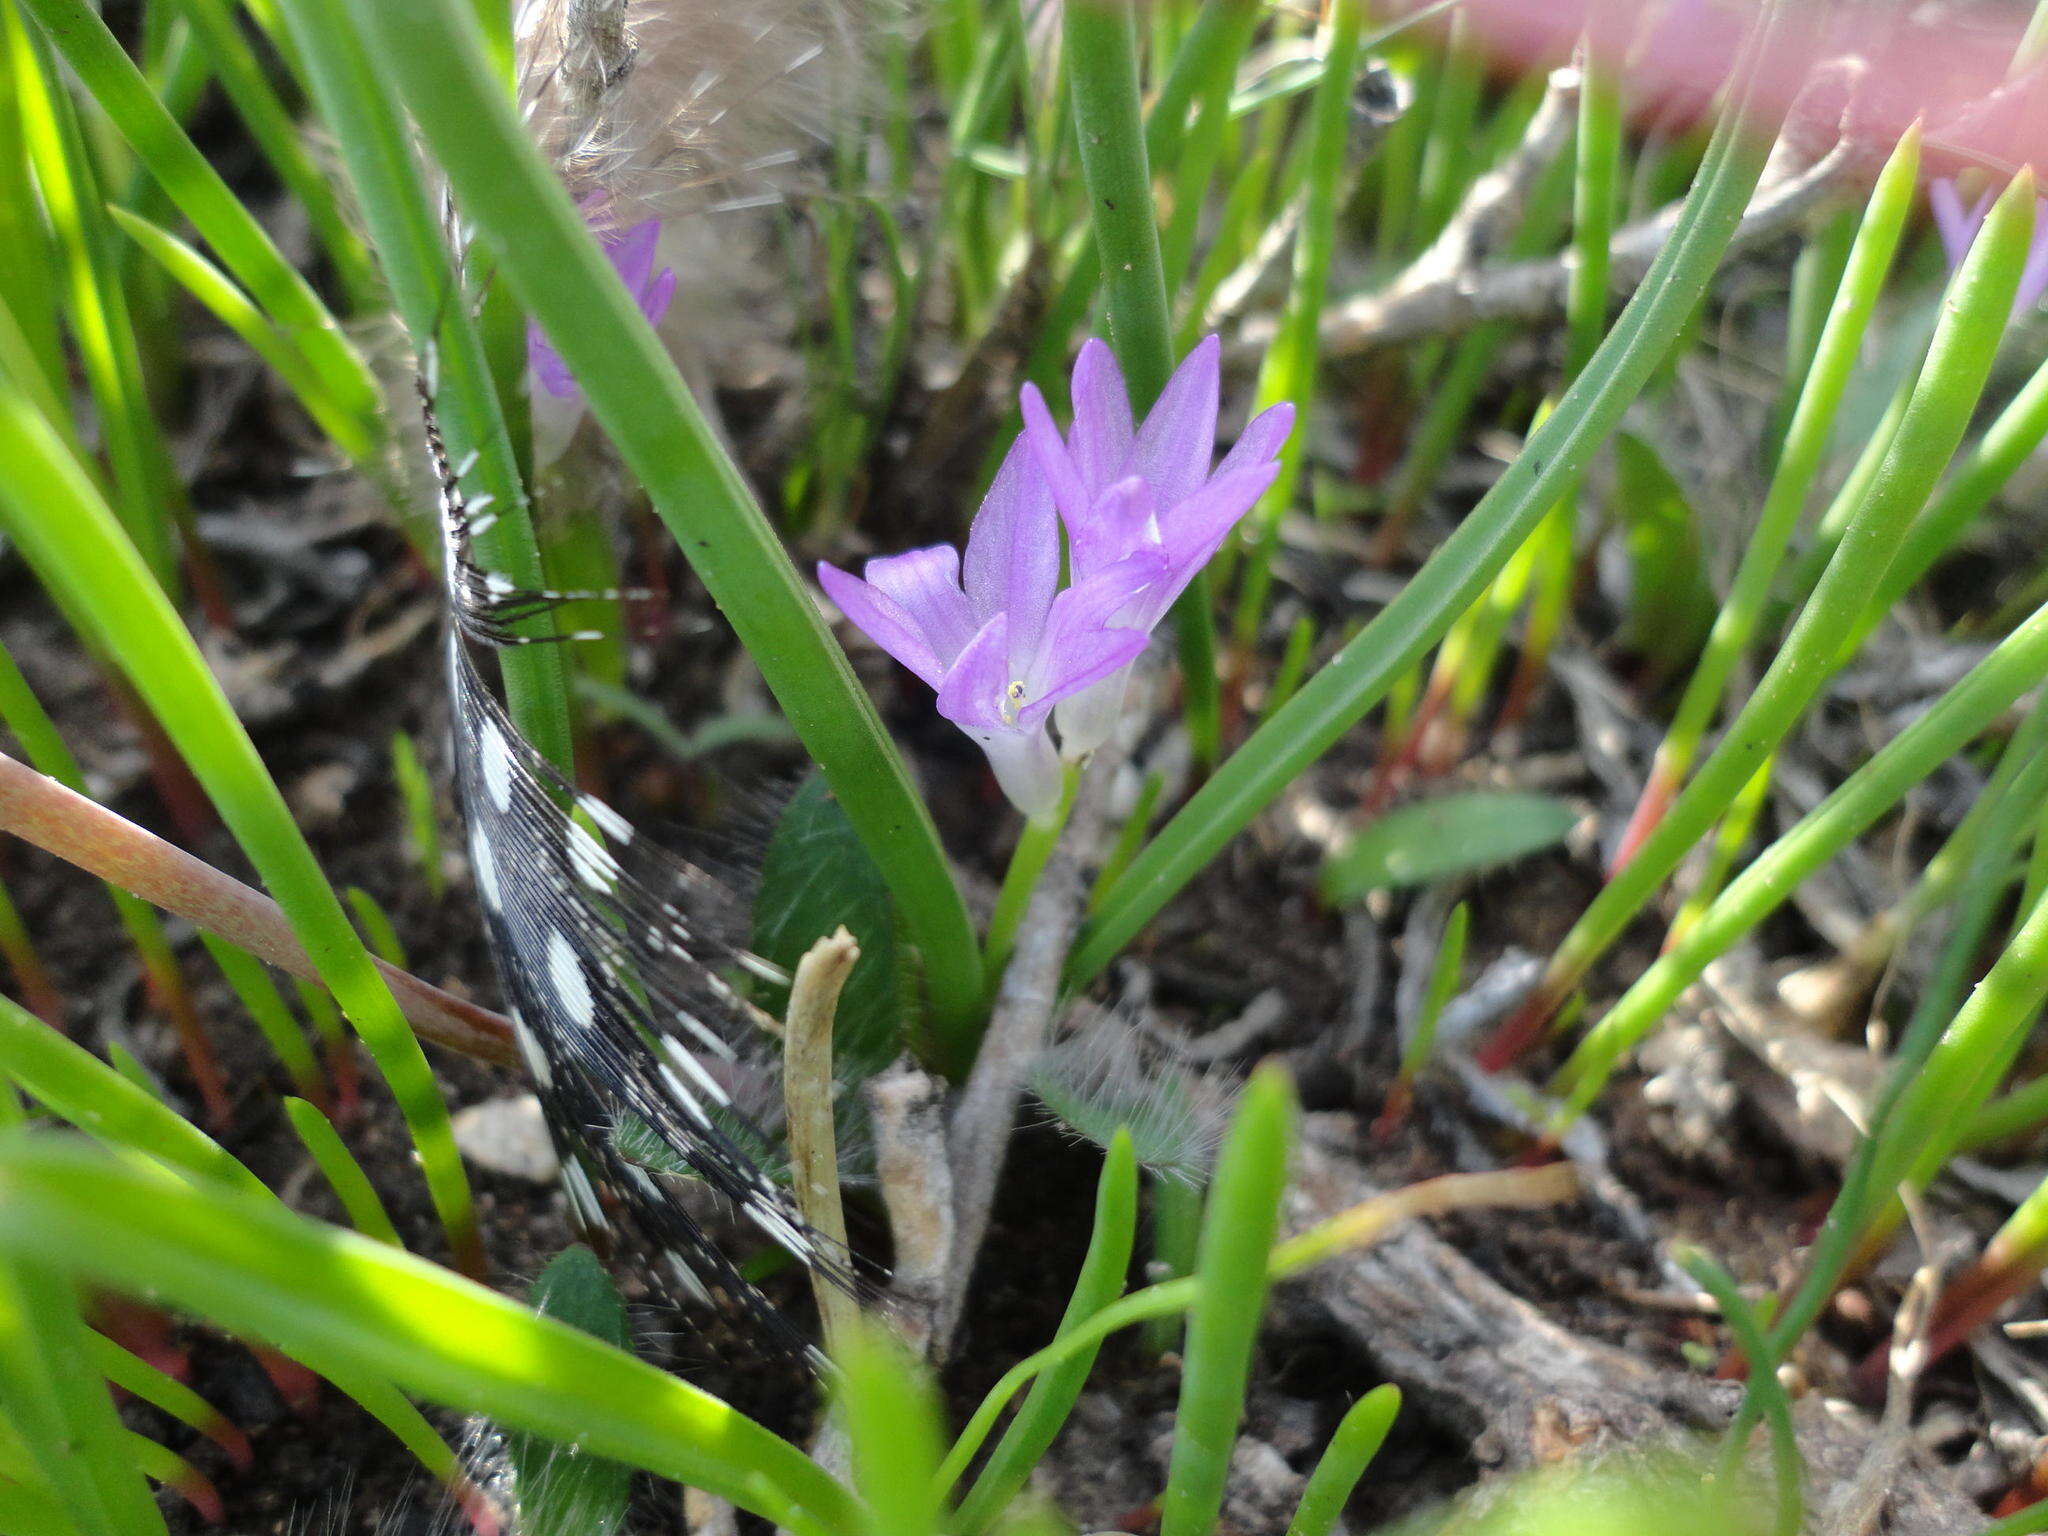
(991, 635)
(1958, 229)
(631, 251)
(1126, 489)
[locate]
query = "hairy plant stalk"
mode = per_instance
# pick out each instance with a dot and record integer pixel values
(79, 831)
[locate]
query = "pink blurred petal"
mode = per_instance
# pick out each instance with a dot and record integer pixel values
(1261, 439)
(1055, 462)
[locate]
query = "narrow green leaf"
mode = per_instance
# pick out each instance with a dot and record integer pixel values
(249, 1265)
(1436, 839)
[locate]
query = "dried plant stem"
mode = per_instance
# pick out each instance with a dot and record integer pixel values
(39, 810)
(807, 1093)
(978, 1134)
(917, 1188)
(1433, 301)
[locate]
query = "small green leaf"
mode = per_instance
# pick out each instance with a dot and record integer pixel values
(818, 875)
(561, 1491)
(1438, 838)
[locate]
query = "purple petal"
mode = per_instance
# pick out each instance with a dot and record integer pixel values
(1050, 449)
(1120, 523)
(976, 686)
(882, 619)
(1199, 525)
(1013, 549)
(925, 584)
(1261, 440)
(1086, 655)
(655, 300)
(1177, 443)
(1101, 437)
(549, 371)
(1950, 222)
(631, 252)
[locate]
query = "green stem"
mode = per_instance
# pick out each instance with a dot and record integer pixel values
(1027, 862)
(1102, 69)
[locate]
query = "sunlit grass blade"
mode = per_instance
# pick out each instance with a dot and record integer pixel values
(132, 1374)
(269, 1012)
(198, 191)
(73, 542)
(249, 1265)
(1288, 371)
(96, 305)
(1806, 440)
(60, 1406)
(1339, 695)
(1052, 1396)
(524, 214)
(2019, 663)
(1959, 361)
(344, 1174)
(890, 1409)
(402, 218)
(1238, 1227)
(356, 434)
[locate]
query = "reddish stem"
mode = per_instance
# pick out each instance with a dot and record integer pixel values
(167, 992)
(1656, 799)
(1524, 1027)
(191, 1485)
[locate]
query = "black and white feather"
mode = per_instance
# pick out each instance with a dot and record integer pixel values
(616, 958)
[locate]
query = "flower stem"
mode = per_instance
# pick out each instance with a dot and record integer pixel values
(1102, 66)
(1027, 863)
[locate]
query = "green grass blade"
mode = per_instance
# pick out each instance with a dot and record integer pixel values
(1765, 1388)
(268, 1010)
(1360, 1434)
(102, 329)
(77, 1086)
(1238, 1230)
(344, 1174)
(60, 1406)
(1052, 1396)
(891, 1412)
(357, 433)
(248, 1264)
(548, 257)
(133, 1374)
(75, 546)
(376, 147)
(1959, 361)
(198, 191)
(1806, 440)
(1957, 718)
(1339, 695)
(248, 86)
(1289, 369)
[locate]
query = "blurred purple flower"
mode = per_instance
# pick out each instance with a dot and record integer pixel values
(1126, 489)
(991, 635)
(631, 251)
(1958, 229)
